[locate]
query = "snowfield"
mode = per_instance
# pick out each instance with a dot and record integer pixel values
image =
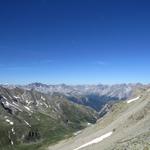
(97, 140)
(132, 100)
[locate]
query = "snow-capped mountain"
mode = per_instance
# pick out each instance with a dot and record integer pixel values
(95, 96)
(120, 91)
(37, 113)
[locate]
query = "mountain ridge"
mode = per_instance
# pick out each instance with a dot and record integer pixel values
(28, 116)
(94, 96)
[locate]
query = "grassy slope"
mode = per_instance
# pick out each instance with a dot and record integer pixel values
(51, 130)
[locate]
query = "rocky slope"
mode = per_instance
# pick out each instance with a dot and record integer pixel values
(125, 127)
(30, 119)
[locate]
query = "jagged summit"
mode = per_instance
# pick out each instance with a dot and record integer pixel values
(118, 90)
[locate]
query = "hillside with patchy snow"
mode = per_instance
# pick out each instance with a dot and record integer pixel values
(30, 119)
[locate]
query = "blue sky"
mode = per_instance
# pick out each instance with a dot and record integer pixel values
(74, 41)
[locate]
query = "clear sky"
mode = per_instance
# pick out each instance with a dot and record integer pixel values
(74, 41)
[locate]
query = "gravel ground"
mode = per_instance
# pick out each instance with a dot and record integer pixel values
(130, 123)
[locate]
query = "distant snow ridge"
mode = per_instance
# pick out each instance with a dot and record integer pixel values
(120, 91)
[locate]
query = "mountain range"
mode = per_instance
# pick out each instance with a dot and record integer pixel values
(37, 115)
(94, 96)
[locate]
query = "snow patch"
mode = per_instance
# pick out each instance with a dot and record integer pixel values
(28, 102)
(132, 100)
(88, 124)
(15, 104)
(13, 131)
(42, 98)
(6, 117)
(12, 143)
(4, 97)
(41, 103)
(10, 122)
(7, 104)
(27, 108)
(76, 133)
(97, 140)
(17, 97)
(46, 105)
(37, 103)
(38, 119)
(27, 123)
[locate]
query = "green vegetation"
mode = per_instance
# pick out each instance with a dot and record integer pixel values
(45, 128)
